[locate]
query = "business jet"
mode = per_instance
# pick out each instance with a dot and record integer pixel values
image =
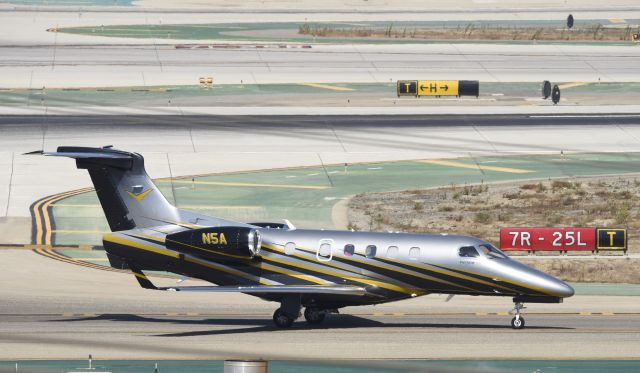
(318, 270)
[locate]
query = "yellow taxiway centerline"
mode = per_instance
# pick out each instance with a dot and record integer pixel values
(572, 85)
(194, 207)
(224, 183)
(441, 162)
(326, 86)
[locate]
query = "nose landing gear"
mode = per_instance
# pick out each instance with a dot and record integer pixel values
(518, 321)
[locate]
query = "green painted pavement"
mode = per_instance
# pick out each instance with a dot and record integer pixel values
(194, 95)
(288, 31)
(606, 289)
(79, 219)
(357, 366)
(49, 3)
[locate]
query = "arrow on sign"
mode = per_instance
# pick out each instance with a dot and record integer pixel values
(445, 88)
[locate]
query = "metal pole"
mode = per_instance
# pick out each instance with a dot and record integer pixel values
(246, 366)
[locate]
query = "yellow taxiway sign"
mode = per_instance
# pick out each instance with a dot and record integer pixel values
(437, 88)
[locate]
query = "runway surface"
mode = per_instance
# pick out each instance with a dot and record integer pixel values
(58, 310)
(191, 145)
(161, 64)
(398, 337)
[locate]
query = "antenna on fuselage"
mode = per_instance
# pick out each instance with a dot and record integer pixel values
(289, 225)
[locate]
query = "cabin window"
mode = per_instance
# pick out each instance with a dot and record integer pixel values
(290, 248)
(392, 252)
(491, 252)
(414, 253)
(325, 250)
(370, 251)
(349, 250)
(468, 252)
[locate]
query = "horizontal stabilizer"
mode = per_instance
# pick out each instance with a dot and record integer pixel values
(104, 156)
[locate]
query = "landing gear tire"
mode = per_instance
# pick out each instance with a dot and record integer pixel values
(281, 319)
(314, 316)
(517, 322)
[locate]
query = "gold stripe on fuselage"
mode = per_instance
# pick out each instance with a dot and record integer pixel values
(163, 251)
(258, 265)
(516, 283)
(399, 270)
(449, 272)
(322, 269)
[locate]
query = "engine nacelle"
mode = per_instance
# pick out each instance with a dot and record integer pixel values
(217, 242)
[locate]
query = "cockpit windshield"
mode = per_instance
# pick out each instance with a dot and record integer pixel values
(491, 252)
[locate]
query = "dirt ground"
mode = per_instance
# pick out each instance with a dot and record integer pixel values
(595, 32)
(481, 210)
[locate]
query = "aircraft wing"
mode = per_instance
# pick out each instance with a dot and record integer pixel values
(280, 289)
(144, 281)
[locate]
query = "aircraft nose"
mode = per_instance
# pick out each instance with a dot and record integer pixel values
(562, 289)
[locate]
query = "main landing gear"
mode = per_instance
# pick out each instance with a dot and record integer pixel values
(313, 316)
(289, 311)
(518, 321)
(282, 320)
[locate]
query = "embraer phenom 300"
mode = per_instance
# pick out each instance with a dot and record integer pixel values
(320, 270)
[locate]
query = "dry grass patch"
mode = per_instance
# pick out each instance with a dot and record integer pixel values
(481, 210)
(595, 32)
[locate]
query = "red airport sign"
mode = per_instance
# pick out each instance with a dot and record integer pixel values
(548, 239)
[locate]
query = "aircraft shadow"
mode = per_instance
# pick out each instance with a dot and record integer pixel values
(258, 325)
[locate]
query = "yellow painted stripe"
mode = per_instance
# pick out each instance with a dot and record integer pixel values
(617, 20)
(43, 228)
(517, 283)
(123, 241)
(75, 205)
(223, 183)
(140, 197)
(213, 207)
(47, 219)
(571, 85)
(442, 162)
(404, 271)
(139, 245)
(451, 273)
(326, 86)
(231, 271)
(337, 274)
(155, 238)
(399, 269)
(297, 275)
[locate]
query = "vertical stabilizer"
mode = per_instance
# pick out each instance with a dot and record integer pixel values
(128, 197)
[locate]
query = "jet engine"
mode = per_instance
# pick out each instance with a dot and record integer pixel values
(217, 242)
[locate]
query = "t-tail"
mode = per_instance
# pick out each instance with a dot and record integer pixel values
(128, 197)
